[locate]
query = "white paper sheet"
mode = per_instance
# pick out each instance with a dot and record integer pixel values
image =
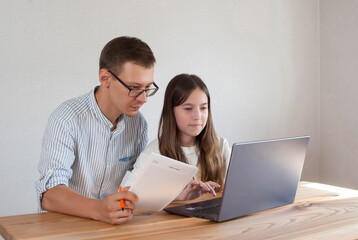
(161, 181)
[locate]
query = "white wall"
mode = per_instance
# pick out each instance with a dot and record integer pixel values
(259, 59)
(339, 92)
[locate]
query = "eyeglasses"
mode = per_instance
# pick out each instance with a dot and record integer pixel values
(134, 92)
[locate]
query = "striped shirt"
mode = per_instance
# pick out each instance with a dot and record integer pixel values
(79, 149)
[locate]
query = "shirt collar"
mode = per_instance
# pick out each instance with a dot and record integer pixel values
(100, 116)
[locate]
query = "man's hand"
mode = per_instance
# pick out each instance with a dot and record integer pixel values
(109, 209)
(197, 188)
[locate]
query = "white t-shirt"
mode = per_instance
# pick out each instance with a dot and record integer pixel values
(190, 153)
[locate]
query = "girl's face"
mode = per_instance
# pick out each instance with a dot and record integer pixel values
(191, 117)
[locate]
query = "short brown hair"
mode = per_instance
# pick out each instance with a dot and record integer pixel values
(124, 49)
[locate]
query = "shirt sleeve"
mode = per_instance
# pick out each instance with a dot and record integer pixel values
(225, 151)
(57, 156)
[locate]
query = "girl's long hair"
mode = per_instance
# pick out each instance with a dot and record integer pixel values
(210, 161)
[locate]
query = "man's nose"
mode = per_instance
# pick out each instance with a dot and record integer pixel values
(142, 97)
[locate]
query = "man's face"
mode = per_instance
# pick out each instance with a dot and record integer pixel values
(135, 77)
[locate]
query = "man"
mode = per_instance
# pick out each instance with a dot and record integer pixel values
(92, 140)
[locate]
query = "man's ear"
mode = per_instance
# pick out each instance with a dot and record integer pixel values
(104, 77)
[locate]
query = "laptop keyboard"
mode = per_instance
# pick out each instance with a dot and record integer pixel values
(211, 209)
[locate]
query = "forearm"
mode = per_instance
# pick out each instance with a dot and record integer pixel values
(62, 199)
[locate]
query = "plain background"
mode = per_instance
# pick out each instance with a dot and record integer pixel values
(275, 68)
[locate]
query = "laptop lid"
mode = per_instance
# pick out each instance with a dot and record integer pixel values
(261, 175)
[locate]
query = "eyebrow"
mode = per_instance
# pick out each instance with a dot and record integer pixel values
(138, 84)
(190, 104)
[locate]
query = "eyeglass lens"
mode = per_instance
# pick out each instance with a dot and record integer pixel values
(148, 92)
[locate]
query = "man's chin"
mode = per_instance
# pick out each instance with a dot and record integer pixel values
(131, 113)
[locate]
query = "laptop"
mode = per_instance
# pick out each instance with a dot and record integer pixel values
(261, 175)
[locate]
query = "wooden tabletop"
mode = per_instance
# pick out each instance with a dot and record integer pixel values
(319, 212)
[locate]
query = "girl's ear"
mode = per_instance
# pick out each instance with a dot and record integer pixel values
(104, 77)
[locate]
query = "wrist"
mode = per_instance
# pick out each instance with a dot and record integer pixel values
(93, 209)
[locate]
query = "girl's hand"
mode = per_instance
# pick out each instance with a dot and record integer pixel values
(197, 188)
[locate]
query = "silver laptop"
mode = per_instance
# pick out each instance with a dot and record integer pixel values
(261, 175)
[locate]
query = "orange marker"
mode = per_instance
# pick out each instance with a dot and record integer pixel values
(122, 200)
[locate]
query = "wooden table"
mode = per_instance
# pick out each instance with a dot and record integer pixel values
(319, 212)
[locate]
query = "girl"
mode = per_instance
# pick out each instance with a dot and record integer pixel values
(186, 133)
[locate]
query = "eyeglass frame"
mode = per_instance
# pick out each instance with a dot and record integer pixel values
(141, 90)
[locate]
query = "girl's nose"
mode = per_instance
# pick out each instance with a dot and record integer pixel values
(196, 114)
